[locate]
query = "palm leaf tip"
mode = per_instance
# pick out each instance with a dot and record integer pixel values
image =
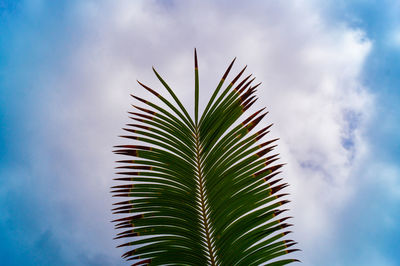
(229, 69)
(196, 66)
(196, 85)
(205, 191)
(238, 76)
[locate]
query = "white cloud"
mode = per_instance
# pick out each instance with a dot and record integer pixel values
(309, 70)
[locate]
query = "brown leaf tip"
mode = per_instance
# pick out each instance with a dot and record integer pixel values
(149, 89)
(238, 76)
(229, 69)
(196, 67)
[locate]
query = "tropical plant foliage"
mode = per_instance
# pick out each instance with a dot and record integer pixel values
(202, 191)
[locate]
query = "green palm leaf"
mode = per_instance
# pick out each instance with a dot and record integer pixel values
(202, 192)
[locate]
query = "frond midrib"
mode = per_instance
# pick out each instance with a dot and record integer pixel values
(202, 193)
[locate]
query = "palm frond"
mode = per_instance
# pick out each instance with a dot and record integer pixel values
(202, 192)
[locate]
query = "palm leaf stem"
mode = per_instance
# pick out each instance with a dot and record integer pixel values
(201, 193)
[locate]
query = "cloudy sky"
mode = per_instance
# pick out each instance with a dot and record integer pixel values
(330, 73)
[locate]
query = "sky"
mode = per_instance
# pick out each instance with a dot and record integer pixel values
(330, 73)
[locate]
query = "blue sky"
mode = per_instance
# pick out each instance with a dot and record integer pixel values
(374, 222)
(67, 68)
(380, 21)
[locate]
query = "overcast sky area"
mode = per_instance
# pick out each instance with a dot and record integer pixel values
(330, 73)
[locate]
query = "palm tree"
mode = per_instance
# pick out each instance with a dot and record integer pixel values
(202, 192)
